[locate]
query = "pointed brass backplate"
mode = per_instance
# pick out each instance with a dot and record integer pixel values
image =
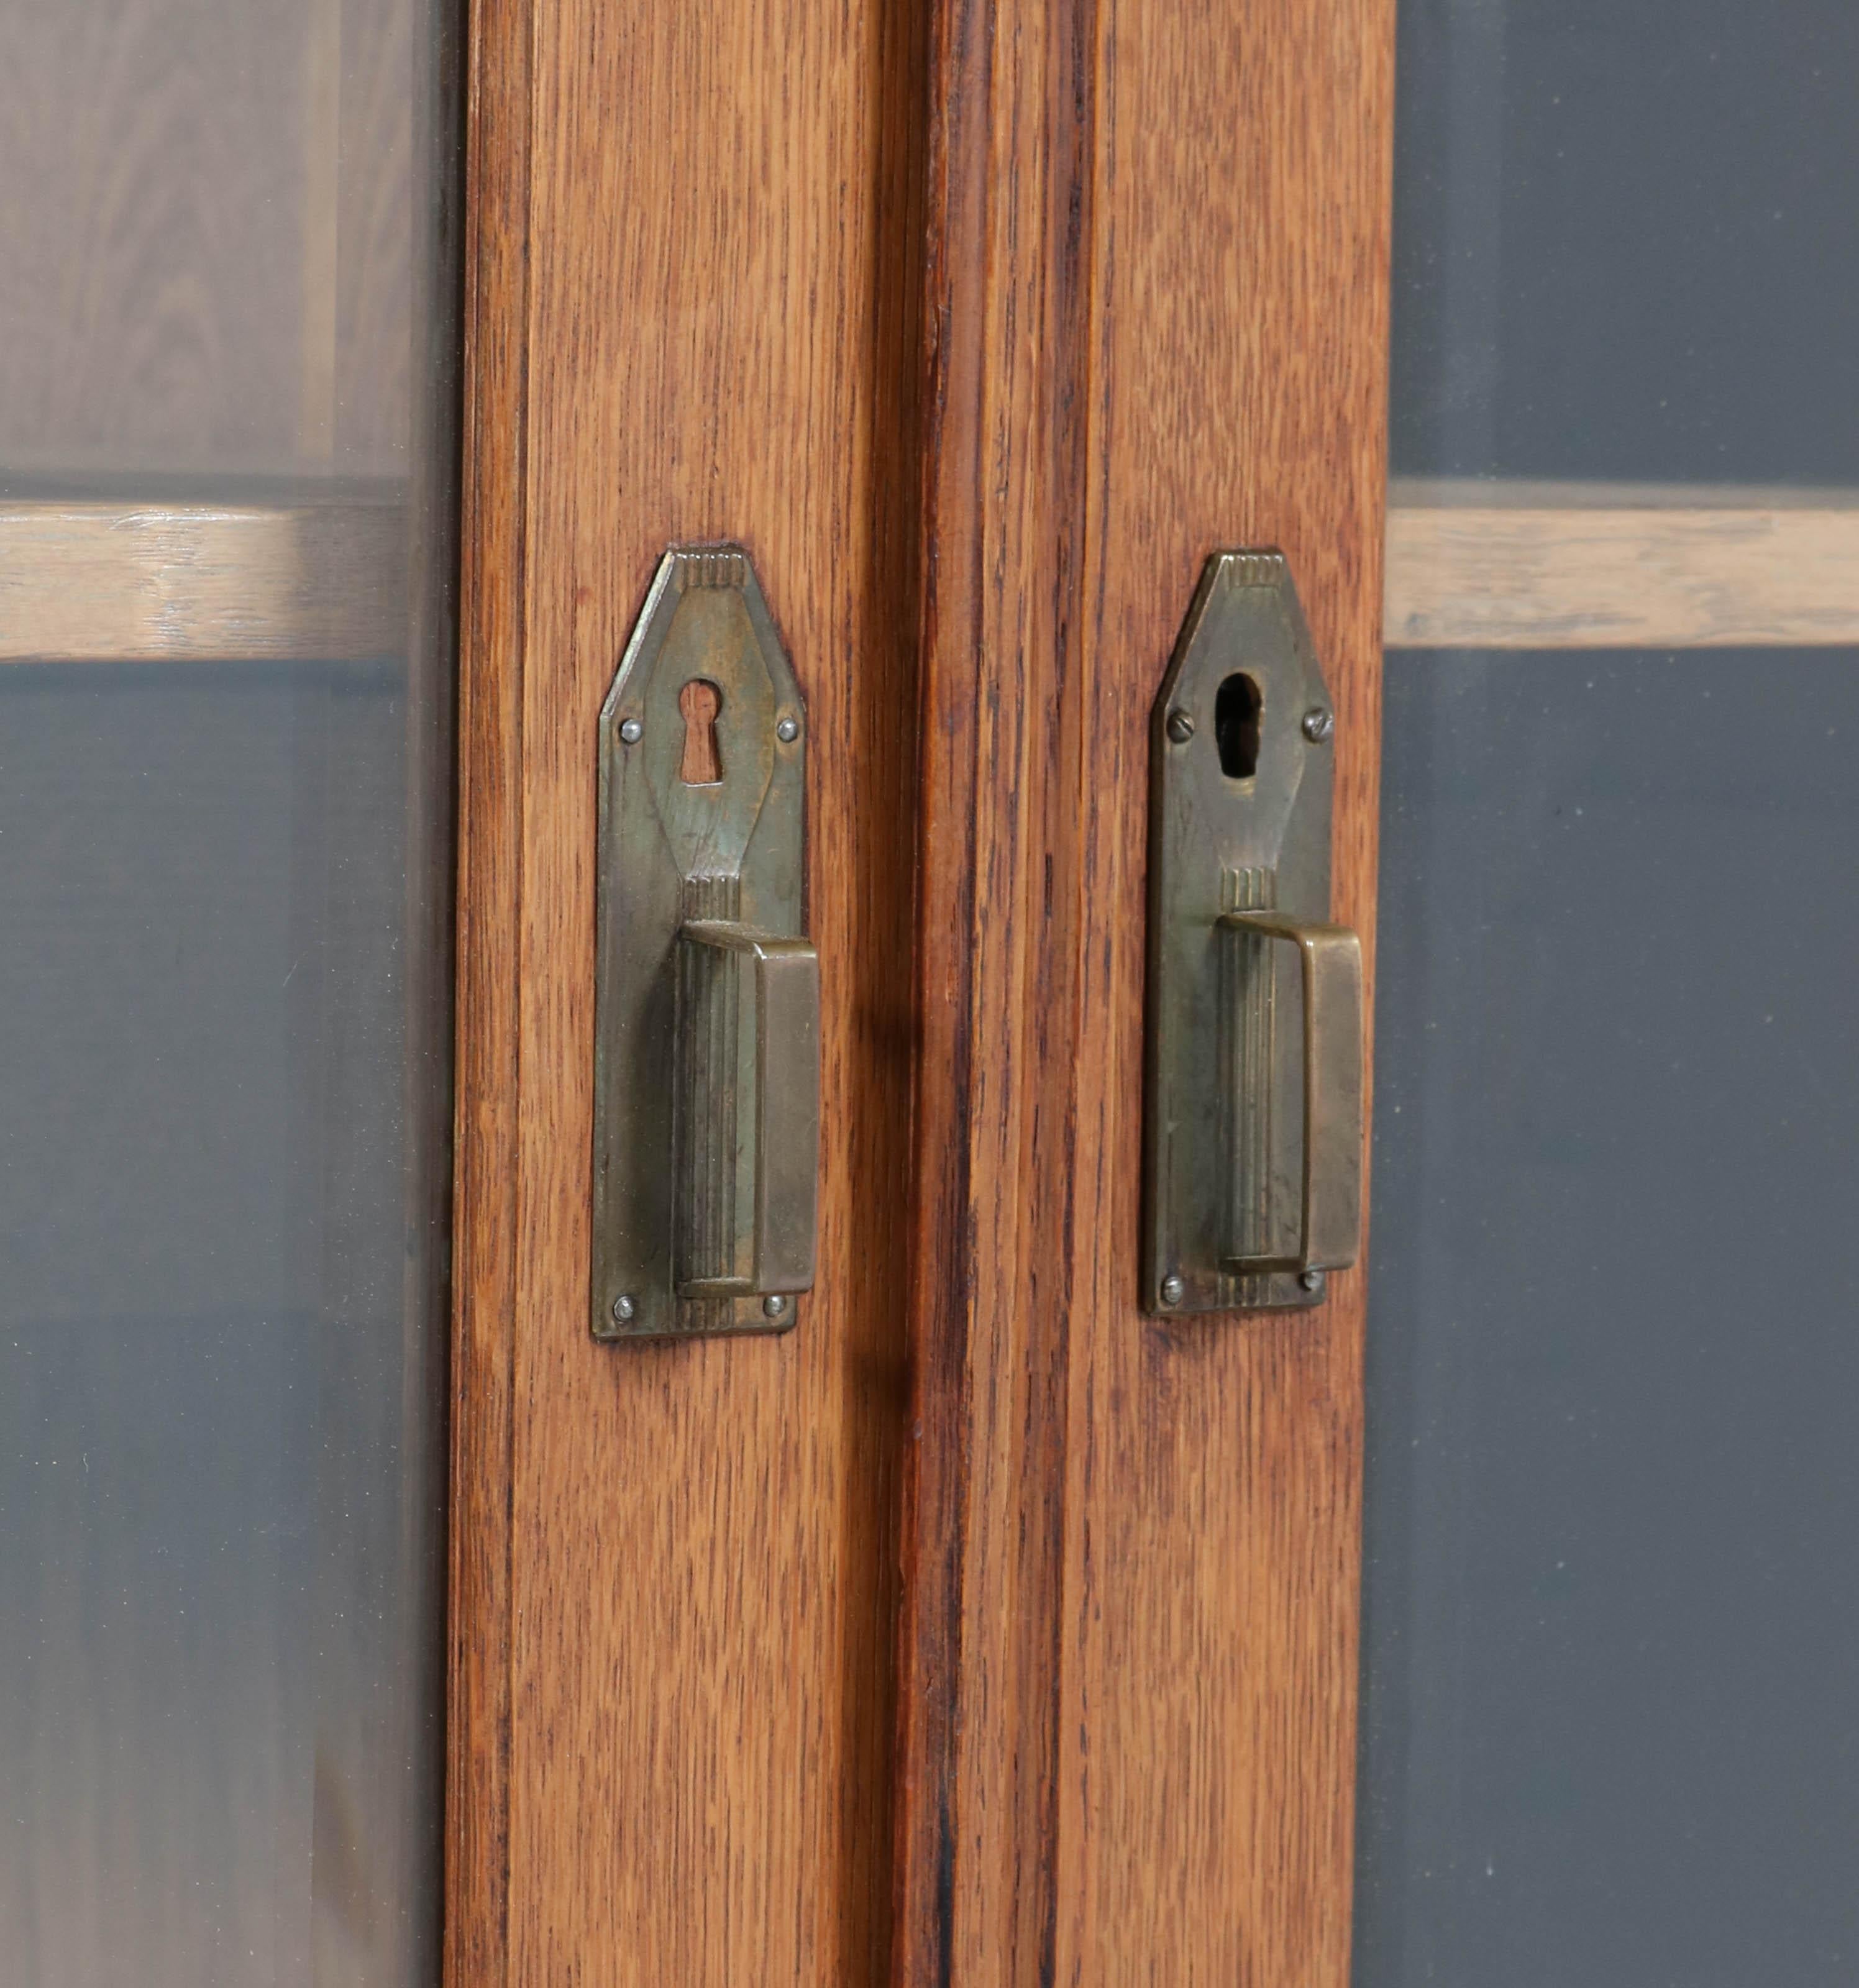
(674, 850)
(1223, 1154)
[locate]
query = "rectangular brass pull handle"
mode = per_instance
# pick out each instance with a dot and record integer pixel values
(746, 1129)
(1330, 1227)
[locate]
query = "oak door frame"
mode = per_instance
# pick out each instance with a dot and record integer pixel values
(1158, 273)
(691, 315)
(1021, 313)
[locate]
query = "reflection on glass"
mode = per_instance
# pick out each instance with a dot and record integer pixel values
(1610, 1715)
(226, 387)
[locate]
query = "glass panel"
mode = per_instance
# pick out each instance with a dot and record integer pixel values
(1612, 1714)
(228, 382)
(1623, 240)
(1610, 1717)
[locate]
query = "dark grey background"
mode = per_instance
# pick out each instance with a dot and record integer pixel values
(1627, 240)
(1611, 1657)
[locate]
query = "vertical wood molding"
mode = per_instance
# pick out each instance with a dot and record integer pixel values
(322, 207)
(694, 299)
(1214, 1467)
(1158, 300)
(1007, 398)
(494, 529)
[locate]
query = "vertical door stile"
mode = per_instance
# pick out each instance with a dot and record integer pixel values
(495, 516)
(692, 288)
(1157, 296)
(1142, 253)
(1013, 95)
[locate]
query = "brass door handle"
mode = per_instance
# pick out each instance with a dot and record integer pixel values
(746, 1118)
(707, 1020)
(1242, 778)
(1329, 1224)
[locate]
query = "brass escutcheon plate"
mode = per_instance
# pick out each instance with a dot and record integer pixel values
(1241, 775)
(693, 831)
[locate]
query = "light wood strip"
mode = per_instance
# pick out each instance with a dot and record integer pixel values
(1485, 566)
(1523, 567)
(97, 582)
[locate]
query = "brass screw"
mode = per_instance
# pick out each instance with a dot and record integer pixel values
(1174, 1291)
(1181, 726)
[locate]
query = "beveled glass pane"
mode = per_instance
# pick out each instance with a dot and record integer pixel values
(227, 380)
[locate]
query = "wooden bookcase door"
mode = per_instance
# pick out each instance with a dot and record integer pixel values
(979, 1629)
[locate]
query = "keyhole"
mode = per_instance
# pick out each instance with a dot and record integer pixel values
(700, 701)
(1238, 705)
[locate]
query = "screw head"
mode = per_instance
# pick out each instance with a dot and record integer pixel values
(1311, 1280)
(774, 1307)
(623, 1308)
(1319, 723)
(788, 730)
(631, 730)
(1174, 1291)
(1181, 726)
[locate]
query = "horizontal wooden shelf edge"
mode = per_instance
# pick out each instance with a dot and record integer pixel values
(1470, 566)
(1481, 566)
(111, 581)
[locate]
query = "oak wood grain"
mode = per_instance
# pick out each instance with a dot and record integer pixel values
(1213, 1538)
(674, 1701)
(1132, 1549)
(111, 582)
(1007, 305)
(1486, 566)
(493, 534)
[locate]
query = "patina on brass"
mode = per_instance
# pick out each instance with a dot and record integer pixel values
(706, 1004)
(1329, 1221)
(1253, 1135)
(745, 1226)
